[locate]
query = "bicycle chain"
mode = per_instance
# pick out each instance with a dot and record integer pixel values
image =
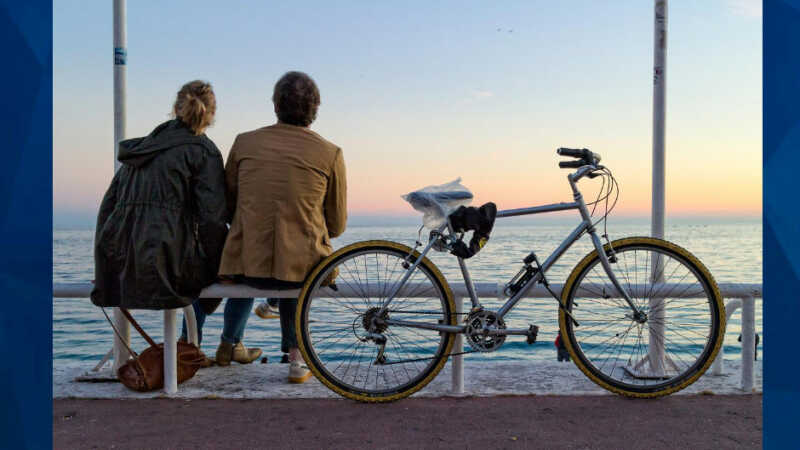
(425, 359)
(430, 357)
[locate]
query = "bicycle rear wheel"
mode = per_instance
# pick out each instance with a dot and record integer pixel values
(659, 353)
(333, 326)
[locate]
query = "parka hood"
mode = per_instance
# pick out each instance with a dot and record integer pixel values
(161, 226)
(138, 152)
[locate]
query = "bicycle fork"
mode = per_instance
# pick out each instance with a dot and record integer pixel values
(601, 252)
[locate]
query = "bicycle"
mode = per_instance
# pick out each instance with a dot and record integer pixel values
(639, 316)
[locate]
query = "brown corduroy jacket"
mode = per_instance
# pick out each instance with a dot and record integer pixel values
(287, 196)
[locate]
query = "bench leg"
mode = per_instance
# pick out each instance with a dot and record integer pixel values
(121, 353)
(191, 325)
(170, 352)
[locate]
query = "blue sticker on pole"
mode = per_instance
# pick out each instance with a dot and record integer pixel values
(120, 56)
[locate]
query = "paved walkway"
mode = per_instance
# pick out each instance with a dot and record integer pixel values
(579, 422)
(532, 404)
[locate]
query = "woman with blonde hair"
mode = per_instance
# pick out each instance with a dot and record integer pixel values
(162, 223)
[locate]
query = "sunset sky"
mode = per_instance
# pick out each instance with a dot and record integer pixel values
(418, 93)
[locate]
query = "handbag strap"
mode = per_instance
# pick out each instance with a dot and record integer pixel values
(138, 328)
(135, 355)
(194, 362)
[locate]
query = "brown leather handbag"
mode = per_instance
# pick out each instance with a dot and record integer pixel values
(145, 372)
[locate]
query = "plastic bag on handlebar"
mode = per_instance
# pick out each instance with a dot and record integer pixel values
(437, 202)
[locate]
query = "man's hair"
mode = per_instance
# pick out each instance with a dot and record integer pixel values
(296, 99)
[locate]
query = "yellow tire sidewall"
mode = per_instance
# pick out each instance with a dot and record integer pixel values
(570, 285)
(303, 298)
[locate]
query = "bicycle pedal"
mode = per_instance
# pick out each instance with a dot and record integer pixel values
(533, 331)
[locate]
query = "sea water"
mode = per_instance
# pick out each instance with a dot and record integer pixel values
(730, 248)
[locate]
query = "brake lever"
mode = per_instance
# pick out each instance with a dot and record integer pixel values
(595, 174)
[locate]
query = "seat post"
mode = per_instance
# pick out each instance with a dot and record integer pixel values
(473, 297)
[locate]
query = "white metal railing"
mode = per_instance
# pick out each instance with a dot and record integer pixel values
(742, 295)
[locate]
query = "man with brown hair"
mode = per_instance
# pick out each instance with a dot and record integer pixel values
(287, 197)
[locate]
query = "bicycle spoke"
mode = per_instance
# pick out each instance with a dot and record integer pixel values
(680, 323)
(341, 341)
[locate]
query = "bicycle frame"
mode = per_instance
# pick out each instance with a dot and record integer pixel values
(585, 226)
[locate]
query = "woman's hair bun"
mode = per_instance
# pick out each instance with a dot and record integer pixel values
(195, 105)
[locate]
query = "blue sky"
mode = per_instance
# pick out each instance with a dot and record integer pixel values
(418, 93)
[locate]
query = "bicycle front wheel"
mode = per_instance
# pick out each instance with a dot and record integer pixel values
(336, 332)
(663, 350)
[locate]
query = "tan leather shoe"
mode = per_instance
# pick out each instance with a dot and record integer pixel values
(224, 353)
(266, 311)
(206, 362)
(244, 355)
(298, 372)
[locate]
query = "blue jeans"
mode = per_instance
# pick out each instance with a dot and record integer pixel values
(237, 311)
(286, 306)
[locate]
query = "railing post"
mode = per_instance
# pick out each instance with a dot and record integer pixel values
(458, 347)
(719, 361)
(170, 352)
(748, 342)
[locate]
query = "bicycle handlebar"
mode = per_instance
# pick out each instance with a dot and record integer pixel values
(583, 153)
(574, 152)
(570, 164)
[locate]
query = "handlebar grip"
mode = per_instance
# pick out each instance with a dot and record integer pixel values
(583, 153)
(570, 164)
(574, 152)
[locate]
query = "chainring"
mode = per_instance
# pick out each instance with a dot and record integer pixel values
(479, 323)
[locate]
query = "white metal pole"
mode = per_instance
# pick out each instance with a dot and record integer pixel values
(458, 347)
(121, 354)
(656, 339)
(170, 351)
(659, 117)
(120, 61)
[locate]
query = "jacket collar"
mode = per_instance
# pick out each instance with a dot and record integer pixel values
(138, 152)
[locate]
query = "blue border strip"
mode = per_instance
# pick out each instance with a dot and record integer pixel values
(26, 223)
(781, 222)
(26, 198)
